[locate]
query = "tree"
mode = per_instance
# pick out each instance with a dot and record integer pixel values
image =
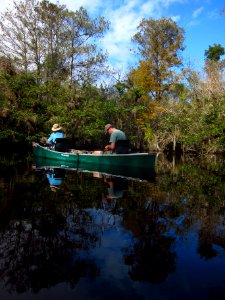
(50, 41)
(7, 66)
(83, 55)
(159, 42)
(214, 52)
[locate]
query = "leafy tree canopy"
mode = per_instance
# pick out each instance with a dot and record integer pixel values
(160, 43)
(214, 52)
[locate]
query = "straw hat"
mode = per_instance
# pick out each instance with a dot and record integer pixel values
(56, 127)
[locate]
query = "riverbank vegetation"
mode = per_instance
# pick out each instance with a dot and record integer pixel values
(51, 70)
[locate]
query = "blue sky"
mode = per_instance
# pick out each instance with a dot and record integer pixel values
(201, 20)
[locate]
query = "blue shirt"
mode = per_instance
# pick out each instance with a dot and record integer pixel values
(55, 135)
(54, 181)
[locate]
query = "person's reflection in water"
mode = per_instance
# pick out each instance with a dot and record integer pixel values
(55, 177)
(115, 191)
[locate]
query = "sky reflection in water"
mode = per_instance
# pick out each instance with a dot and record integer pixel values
(100, 237)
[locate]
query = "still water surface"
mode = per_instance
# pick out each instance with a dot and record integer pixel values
(66, 234)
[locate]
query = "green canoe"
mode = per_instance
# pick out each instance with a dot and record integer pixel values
(138, 165)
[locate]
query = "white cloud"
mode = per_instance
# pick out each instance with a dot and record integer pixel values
(124, 17)
(148, 7)
(118, 40)
(175, 18)
(124, 20)
(193, 23)
(92, 6)
(197, 12)
(214, 14)
(6, 4)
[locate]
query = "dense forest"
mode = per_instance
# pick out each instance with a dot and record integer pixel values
(51, 70)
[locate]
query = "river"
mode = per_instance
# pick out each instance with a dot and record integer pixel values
(70, 234)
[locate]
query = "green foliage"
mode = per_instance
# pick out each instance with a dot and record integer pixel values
(214, 52)
(90, 114)
(18, 115)
(157, 104)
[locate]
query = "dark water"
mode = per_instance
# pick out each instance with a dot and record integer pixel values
(66, 234)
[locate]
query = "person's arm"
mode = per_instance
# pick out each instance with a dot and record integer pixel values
(112, 141)
(50, 139)
(110, 147)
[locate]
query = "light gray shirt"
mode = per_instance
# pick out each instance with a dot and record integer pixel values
(117, 135)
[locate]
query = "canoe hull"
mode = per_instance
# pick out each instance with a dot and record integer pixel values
(139, 165)
(44, 152)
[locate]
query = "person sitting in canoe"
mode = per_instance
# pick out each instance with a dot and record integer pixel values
(118, 142)
(56, 133)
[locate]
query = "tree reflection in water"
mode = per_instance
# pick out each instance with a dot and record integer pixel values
(34, 257)
(152, 256)
(47, 236)
(42, 240)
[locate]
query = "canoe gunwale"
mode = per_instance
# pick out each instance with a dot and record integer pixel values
(67, 154)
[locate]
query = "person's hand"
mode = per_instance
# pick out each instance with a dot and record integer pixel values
(107, 148)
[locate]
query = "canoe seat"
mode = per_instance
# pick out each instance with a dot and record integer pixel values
(122, 147)
(62, 145)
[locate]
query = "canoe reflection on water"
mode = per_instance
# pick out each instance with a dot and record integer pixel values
(108, 236)
(146, 173)
(115, 185)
